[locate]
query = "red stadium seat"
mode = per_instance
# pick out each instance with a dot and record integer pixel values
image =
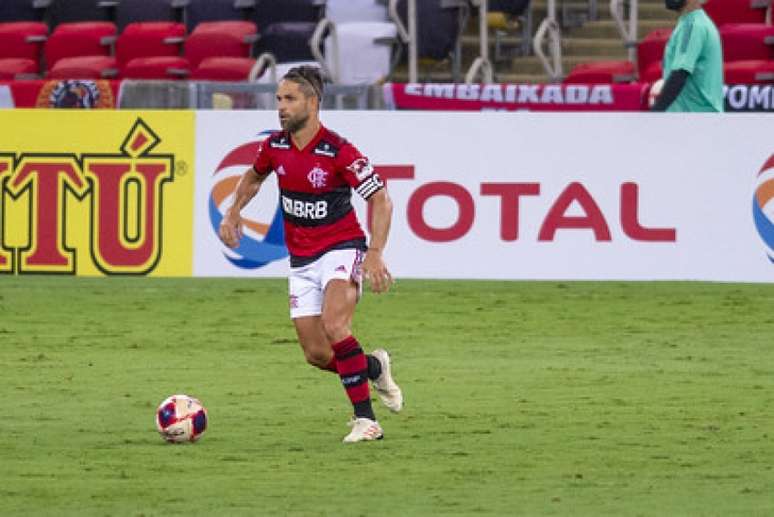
(80, 39)
(224, 69)
(147, 39)
(14, 68)
(159, 67)
(754, 71)
(601, 72)
(746, 41)
(84, 67)
(651, 50)
(737, 11)
(226, 38)
(22, 39)
(652, 73)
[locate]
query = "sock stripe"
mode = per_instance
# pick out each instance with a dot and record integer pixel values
(350, 380)
(348, 354)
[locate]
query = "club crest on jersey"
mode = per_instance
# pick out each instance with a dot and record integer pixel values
(317, 177)
(325, 149)
(361, 168)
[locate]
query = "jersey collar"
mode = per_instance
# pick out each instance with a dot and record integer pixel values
(312, 143)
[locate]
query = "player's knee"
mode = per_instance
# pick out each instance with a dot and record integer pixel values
(335, 329)
(317, 359)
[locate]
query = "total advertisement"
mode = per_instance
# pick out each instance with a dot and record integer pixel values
(523, 195)
(96, 193)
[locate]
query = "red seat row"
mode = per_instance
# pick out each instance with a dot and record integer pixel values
(148, 50)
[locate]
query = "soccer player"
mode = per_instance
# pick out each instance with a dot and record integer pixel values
(693, 62)
(317, 170)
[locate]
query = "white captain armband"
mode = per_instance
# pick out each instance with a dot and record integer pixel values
(370, 186)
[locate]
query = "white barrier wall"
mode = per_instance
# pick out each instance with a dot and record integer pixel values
(528, 196)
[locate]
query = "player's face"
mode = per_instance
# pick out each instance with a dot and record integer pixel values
(293, 106)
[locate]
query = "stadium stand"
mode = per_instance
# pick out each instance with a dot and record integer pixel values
(651, 50)
(356, 41)
(749, 72)
(15, 68)
(600, 72)
(510, 17)
(68, 11)
(745, 30)
(441, 24)
(78, 39)
(22, 40)
(198, 11)
(23, 10)
(286, 28)
(130, 11)
(157, 68)
(224, 69)
(222, 51)
(737, 11)
(221, 39)
(84, 67)
(149, 39)
(360, 44)
(345, 11)
(747, 41)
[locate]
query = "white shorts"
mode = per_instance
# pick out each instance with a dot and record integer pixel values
(306, 284)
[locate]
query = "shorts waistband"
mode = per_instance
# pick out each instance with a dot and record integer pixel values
(354, 244)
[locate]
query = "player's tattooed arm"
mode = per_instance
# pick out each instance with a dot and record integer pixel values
(231, 225)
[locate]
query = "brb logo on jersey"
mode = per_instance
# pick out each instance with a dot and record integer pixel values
(264, 239)
(763, 205)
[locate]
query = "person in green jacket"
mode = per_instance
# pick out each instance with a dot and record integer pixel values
(693, 62)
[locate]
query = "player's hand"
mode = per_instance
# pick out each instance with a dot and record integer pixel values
(375, 271)
(231, 229)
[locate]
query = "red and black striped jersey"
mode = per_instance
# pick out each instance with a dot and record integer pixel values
(316, 185)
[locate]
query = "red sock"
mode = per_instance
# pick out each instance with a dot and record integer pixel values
(352, 366)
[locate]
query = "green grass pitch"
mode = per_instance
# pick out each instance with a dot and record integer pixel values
(522, 398)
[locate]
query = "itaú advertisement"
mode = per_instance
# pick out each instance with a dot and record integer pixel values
(96, 193)
(524, 195)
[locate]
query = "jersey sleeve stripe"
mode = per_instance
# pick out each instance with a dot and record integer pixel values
(370, 186)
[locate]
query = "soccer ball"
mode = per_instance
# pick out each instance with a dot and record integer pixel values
(181, 418)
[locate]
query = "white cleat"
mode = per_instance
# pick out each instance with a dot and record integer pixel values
(364, 430)
(388, 391)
